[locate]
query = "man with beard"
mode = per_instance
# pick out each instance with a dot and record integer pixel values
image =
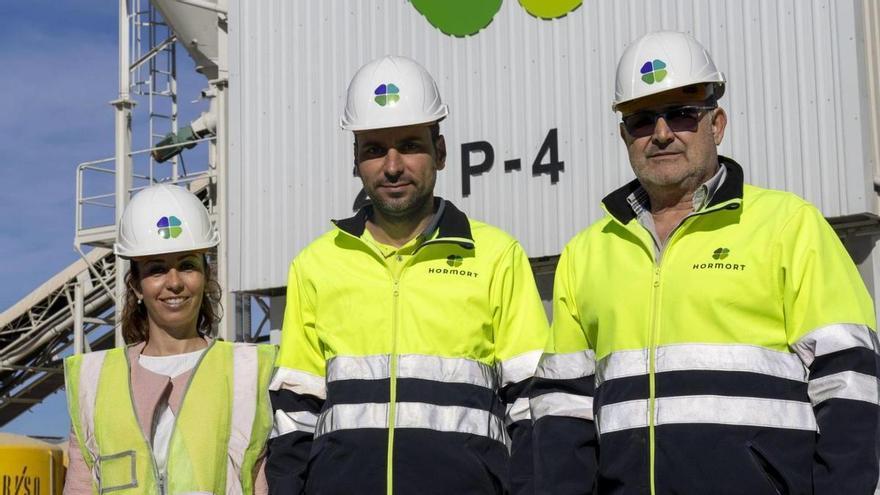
(411, 331)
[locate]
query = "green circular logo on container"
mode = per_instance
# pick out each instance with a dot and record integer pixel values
(550, 9)
(468, 17)
(653, 71)
(387, 94)
(169, 227)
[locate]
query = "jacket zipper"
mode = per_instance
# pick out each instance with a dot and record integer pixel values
(652, 363)
(655, 332)
(392, 399)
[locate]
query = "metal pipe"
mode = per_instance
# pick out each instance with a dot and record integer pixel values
(78, 316)
(123, 107)
(227, 323)
(171, 39)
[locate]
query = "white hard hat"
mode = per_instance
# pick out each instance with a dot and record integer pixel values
(164, 219)
(391, 92)
(661, 61)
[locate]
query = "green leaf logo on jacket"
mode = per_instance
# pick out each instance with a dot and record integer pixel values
(720, 253)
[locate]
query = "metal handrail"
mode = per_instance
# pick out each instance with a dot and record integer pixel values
(94, 165)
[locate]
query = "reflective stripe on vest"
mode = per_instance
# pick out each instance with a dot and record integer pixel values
(227, 393)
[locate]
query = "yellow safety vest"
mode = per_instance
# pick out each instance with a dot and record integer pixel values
(220, 431)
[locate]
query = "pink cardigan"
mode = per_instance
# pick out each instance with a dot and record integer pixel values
(147, 389)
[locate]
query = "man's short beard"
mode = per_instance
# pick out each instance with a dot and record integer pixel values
(402, 211)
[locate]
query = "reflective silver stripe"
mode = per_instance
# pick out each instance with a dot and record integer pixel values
(518, 411)
(447, 370)
(436, 368)
(845, 385)
(743, 411)
(87, 390)
(376, 367)
(299, 382)
(712, 357)
(622, 364)
(622, 416)
(561, 404)
(730, 357)
(412, 415)
(519, 368)
(288, 422)
(455, 419)
(567, 366)
(351, 416)
(709, 409)
(832, 338)
(245, 386)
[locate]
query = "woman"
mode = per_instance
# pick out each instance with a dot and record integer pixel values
(174, 411)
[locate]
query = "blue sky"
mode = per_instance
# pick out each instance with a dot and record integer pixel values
(58, 74)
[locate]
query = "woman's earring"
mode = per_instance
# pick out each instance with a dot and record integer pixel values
(140, 300)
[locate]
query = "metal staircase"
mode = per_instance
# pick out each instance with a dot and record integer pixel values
(41, 328)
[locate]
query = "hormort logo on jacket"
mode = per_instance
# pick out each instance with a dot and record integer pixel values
(719, 255)
(454, 261)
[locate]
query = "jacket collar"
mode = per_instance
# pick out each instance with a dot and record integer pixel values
(731, 189)
(451, 222)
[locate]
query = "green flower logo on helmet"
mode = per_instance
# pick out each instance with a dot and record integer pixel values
(169, 227)
(653, 71)
(453, 260)
(387, 94)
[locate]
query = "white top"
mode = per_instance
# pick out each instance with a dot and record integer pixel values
(163, 423)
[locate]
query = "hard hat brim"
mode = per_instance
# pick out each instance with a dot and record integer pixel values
(133, 253)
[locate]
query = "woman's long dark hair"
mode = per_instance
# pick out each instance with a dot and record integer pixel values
(135, 327)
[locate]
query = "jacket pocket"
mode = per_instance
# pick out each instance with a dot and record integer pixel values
(775, 478)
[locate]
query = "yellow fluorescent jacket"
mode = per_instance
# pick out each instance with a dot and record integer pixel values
(410, 379)
(742, 360)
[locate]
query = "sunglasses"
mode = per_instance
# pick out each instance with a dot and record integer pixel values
(679, 119)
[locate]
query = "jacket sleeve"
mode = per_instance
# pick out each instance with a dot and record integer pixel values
(830, 324)
(565, 438)
(297, 391)
(520, 335)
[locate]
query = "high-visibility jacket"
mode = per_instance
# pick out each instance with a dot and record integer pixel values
(219, 433)
(742, 359)
(407, 377)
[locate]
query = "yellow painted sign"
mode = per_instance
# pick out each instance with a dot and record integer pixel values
(30, 471)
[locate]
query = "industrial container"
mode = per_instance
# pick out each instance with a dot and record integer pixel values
(533, 143)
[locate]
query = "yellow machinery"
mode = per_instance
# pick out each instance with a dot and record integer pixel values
(29, 466)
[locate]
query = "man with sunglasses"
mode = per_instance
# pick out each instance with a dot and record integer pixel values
(708, 336)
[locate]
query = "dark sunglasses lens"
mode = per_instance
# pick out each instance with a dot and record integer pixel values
(683, 119)
(639, 124)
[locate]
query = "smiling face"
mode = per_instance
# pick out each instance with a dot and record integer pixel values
(398, 167)
(667, 160)
(172, 287)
